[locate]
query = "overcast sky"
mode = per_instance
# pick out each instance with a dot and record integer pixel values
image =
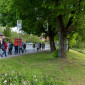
(14, 29)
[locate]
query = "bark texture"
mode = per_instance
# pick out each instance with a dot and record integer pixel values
(52, 43)
(62, 38)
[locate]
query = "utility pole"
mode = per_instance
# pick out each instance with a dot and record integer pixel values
(67, 44)
(19, 26)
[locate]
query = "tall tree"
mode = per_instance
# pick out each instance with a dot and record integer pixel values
(68, 14)
(74, 9)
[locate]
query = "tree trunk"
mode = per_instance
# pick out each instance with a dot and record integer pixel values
(62, 38)
(52, 43)
(62, 46)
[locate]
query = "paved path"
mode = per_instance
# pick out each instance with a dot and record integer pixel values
(29, 50)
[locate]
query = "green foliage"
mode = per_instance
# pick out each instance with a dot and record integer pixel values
(76, 39)
(55, 53)
(73, 40)
(32, 19)
(7, 15)
(34, 39)
(2, 29)
(13, 36)
(7, 32)
(25, 37)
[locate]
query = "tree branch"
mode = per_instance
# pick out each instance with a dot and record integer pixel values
(69, 23)
(54, 31)
(71, 18)
(70, 30)
(79, 4)
(42, 28)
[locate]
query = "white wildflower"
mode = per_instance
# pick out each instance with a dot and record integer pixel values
(35, 76)
(10, 83)
(35, 79)
(82, 9)
(41, 75)
(15, 77)
(71, 6)
(5, 74)
(5, 81)
(19, 74)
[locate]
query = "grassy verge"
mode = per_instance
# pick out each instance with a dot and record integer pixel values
(79, 50)
(70, 71)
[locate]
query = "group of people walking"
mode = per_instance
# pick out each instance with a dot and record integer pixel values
(39, 46)
(18, 49)
(10, 45)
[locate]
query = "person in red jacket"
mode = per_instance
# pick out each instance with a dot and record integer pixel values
(4, 50)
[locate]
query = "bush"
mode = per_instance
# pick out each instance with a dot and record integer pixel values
(55, 53)
(29, 79)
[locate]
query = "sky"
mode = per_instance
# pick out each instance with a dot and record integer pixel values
(14, 29)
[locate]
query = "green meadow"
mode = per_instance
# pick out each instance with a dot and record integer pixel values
(70, 71)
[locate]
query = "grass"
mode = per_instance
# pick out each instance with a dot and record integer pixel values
(70, 71)
(80, 50)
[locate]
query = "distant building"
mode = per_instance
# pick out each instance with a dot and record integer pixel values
(1, 36)
(41, 38)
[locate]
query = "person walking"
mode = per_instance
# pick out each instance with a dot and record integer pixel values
(10, 48)
(38, 46)
(24, 47)
(4, 49)
(33, 46)
(16, 50)
(43, 46)
(20, 49)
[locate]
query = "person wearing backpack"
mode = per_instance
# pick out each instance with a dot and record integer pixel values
(10, 48)
(24, 47)
(4, 49)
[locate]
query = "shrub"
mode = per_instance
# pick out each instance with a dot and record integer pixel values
(55, 53)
